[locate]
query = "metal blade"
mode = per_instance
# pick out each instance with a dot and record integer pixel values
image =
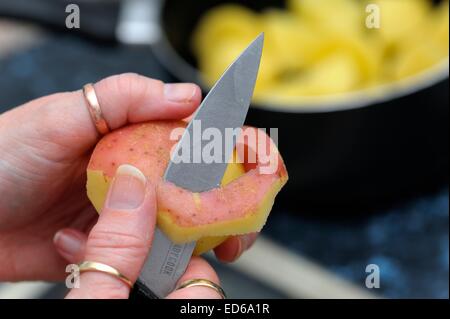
(225, 106)
(165, 264)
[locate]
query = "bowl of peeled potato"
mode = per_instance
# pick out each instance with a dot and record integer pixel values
(357, 90)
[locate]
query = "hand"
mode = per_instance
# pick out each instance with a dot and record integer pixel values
(44, 149)
(122, 238)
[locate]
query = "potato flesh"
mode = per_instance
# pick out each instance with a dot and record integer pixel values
(98, 185)
(185, 216)
(321, 48)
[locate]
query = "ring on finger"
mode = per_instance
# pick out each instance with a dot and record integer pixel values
(203, 283)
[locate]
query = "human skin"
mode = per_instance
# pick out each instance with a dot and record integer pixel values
(45, 144)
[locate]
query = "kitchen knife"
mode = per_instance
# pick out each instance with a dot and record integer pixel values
(225, 106)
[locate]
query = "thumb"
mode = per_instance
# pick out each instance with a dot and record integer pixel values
(122, 236)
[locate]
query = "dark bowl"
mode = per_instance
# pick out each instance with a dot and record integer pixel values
(358, 153)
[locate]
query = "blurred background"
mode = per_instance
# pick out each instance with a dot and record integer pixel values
(357, 89)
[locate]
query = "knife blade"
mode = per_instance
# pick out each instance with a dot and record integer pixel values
(225, 106)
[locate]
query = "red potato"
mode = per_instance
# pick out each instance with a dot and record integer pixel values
(241, 205)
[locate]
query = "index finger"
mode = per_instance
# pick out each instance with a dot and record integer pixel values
(124, 98)
(132, 98)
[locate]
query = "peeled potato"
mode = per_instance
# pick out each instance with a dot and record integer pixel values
(400, 18)
(229, 22)
(336, 74)
(424, 46)
(294, 42)
(331, 15)
(323, 47)
(219, 57)
(439, 25)
(241, 204)
(416, 60)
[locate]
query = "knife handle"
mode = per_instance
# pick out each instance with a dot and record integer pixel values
(141, 292)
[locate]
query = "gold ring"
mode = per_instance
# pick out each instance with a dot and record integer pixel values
(203, 283)
(94, 109)
(95, 266)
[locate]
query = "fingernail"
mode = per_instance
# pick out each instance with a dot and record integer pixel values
(179, 92)
(68, 241)
(128, 188)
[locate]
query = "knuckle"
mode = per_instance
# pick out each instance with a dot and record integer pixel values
(127, 82)
(135, 86)
(128, 247)
(131, 81)
(127, 78)
(108, 288)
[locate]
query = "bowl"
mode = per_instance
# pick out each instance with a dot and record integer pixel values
(348, 153)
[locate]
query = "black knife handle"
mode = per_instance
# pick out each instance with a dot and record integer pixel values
(141, 292)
